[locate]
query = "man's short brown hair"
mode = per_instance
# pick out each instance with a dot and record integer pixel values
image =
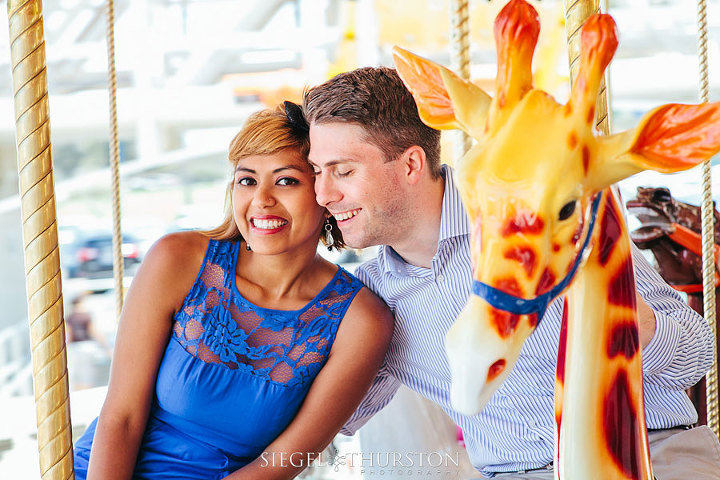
(377, 100)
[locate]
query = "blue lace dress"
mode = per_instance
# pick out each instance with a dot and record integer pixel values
(233, 375)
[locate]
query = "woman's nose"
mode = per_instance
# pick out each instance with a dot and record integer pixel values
(263, 197)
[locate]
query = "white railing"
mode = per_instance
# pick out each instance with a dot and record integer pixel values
(15, 362)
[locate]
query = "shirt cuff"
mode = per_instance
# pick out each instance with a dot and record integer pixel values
(659, 353)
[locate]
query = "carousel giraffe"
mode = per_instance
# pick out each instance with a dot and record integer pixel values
(545, 220)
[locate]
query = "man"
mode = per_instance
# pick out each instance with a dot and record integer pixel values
(378, 172)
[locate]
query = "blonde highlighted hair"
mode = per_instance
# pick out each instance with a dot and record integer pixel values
(264, 133)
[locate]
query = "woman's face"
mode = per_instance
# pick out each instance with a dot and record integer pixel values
(274, 205)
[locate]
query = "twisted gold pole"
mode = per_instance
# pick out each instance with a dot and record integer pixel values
(708, 237)
(460, 57)
(42, 262)
(118, 262)
(576, 12)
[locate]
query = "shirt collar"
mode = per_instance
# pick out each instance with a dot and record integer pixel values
(453, 223)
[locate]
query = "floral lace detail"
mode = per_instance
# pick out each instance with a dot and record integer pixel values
(217, 325)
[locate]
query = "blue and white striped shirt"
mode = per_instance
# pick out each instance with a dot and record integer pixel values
(515, 430)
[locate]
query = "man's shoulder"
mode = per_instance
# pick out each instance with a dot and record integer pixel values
(369, 271)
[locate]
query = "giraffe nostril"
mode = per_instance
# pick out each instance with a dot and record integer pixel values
(495, 369)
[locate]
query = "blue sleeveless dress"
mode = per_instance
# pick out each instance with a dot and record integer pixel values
(233, 375)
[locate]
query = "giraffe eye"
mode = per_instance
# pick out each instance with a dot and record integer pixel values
(567, 210)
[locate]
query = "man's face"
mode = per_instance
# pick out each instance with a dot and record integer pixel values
(355, 183)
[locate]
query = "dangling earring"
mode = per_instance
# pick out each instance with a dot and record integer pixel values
(247, 247)
(329, 239)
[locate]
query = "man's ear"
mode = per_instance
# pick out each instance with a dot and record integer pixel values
(414, 164)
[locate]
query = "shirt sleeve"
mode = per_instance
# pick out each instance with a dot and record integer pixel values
(681, 351)
(385, 384)
(381, 392)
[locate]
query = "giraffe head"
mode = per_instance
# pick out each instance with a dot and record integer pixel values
(529, 182)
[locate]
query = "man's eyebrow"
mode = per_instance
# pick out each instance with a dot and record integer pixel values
(332, 163)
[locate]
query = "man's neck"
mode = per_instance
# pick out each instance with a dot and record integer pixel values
(419, 245)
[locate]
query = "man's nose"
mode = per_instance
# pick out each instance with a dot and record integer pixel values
(325, 190)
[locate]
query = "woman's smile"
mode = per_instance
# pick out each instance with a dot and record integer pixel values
(267, 224)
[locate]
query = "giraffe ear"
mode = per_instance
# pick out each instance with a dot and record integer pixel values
(444, 100)
(669, 139)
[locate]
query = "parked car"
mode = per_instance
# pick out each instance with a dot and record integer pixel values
(91, 256)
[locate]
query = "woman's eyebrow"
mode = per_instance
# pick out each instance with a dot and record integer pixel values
(240, 168)
(290, 167)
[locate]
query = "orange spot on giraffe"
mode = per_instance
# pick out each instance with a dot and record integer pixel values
(523, 222)
(572, 140)
(558, 419)
(509, 285)
(623, 340)
(533, 320)
(505, 322)
(621, 290)
(546, 282)
(496, 369)
(567, 110)
(590, 115)
(585, 159)
(609, 232)
(621, 427)
(526, 256)
(556, 247)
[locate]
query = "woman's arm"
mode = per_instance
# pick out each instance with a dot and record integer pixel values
(355, 357)
(156, 293)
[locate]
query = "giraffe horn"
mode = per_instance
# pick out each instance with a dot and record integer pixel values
(516, 32)
(598, 43)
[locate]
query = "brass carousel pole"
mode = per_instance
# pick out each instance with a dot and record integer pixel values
(460, 56)
(708, 237)
(42, 262)
(576, 12)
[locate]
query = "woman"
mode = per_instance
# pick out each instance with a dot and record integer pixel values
(240, 346)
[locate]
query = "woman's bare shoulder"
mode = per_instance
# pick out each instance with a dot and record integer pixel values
(369, 313)
(178, 246)
(174, 260)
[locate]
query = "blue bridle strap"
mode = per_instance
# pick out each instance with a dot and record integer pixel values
(521, 306)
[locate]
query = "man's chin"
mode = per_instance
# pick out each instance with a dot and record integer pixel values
(354, 241)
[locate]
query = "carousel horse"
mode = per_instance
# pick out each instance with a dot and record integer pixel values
(670, 229)
(544, 220)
